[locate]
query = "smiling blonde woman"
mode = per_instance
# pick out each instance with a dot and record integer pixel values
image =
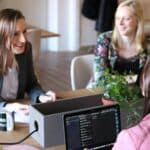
(124, 49)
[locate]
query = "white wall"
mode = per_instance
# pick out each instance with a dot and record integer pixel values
(52, 23)
(31, 11)
(60, 16)
(34, 12)
(64, 18)
(88, 34)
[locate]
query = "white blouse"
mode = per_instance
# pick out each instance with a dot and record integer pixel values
(10, 83)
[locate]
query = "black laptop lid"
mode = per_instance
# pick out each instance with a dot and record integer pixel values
(94, 128)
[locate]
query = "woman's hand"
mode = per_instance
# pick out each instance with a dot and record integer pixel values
(131, 79)
(18, 108)
(50, 96)
(106, 101)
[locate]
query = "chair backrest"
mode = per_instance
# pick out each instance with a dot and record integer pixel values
(81, 71)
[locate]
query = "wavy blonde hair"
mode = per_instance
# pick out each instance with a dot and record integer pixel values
(139, 35)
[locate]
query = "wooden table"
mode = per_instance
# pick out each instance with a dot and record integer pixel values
(44, 33)
(21, 130)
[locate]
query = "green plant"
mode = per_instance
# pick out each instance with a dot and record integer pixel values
(117, 88)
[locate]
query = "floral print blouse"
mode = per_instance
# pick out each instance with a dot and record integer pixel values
(107, 57)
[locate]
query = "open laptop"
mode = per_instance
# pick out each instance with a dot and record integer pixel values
(94, 128)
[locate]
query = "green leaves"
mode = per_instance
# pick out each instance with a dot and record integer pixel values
(117, 88)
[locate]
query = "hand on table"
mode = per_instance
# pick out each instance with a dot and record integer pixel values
(131, 79)
(106, 101)
(50, 96)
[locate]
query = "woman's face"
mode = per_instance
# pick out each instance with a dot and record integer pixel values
(126, 21)
(19, 40)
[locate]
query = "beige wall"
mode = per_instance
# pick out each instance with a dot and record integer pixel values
(146, 8)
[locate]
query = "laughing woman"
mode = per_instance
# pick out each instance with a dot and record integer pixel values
(17, 75)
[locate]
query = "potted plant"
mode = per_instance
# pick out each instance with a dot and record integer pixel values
(127, 95)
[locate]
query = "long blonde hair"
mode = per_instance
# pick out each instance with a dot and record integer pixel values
(139, 35)
(8, 18)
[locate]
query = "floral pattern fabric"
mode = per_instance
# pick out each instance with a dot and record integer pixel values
(106, 57)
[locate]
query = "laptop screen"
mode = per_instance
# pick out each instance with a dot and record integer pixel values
(94, 128)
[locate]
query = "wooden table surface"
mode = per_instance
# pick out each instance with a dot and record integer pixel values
(21, 130)
(44, 33)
